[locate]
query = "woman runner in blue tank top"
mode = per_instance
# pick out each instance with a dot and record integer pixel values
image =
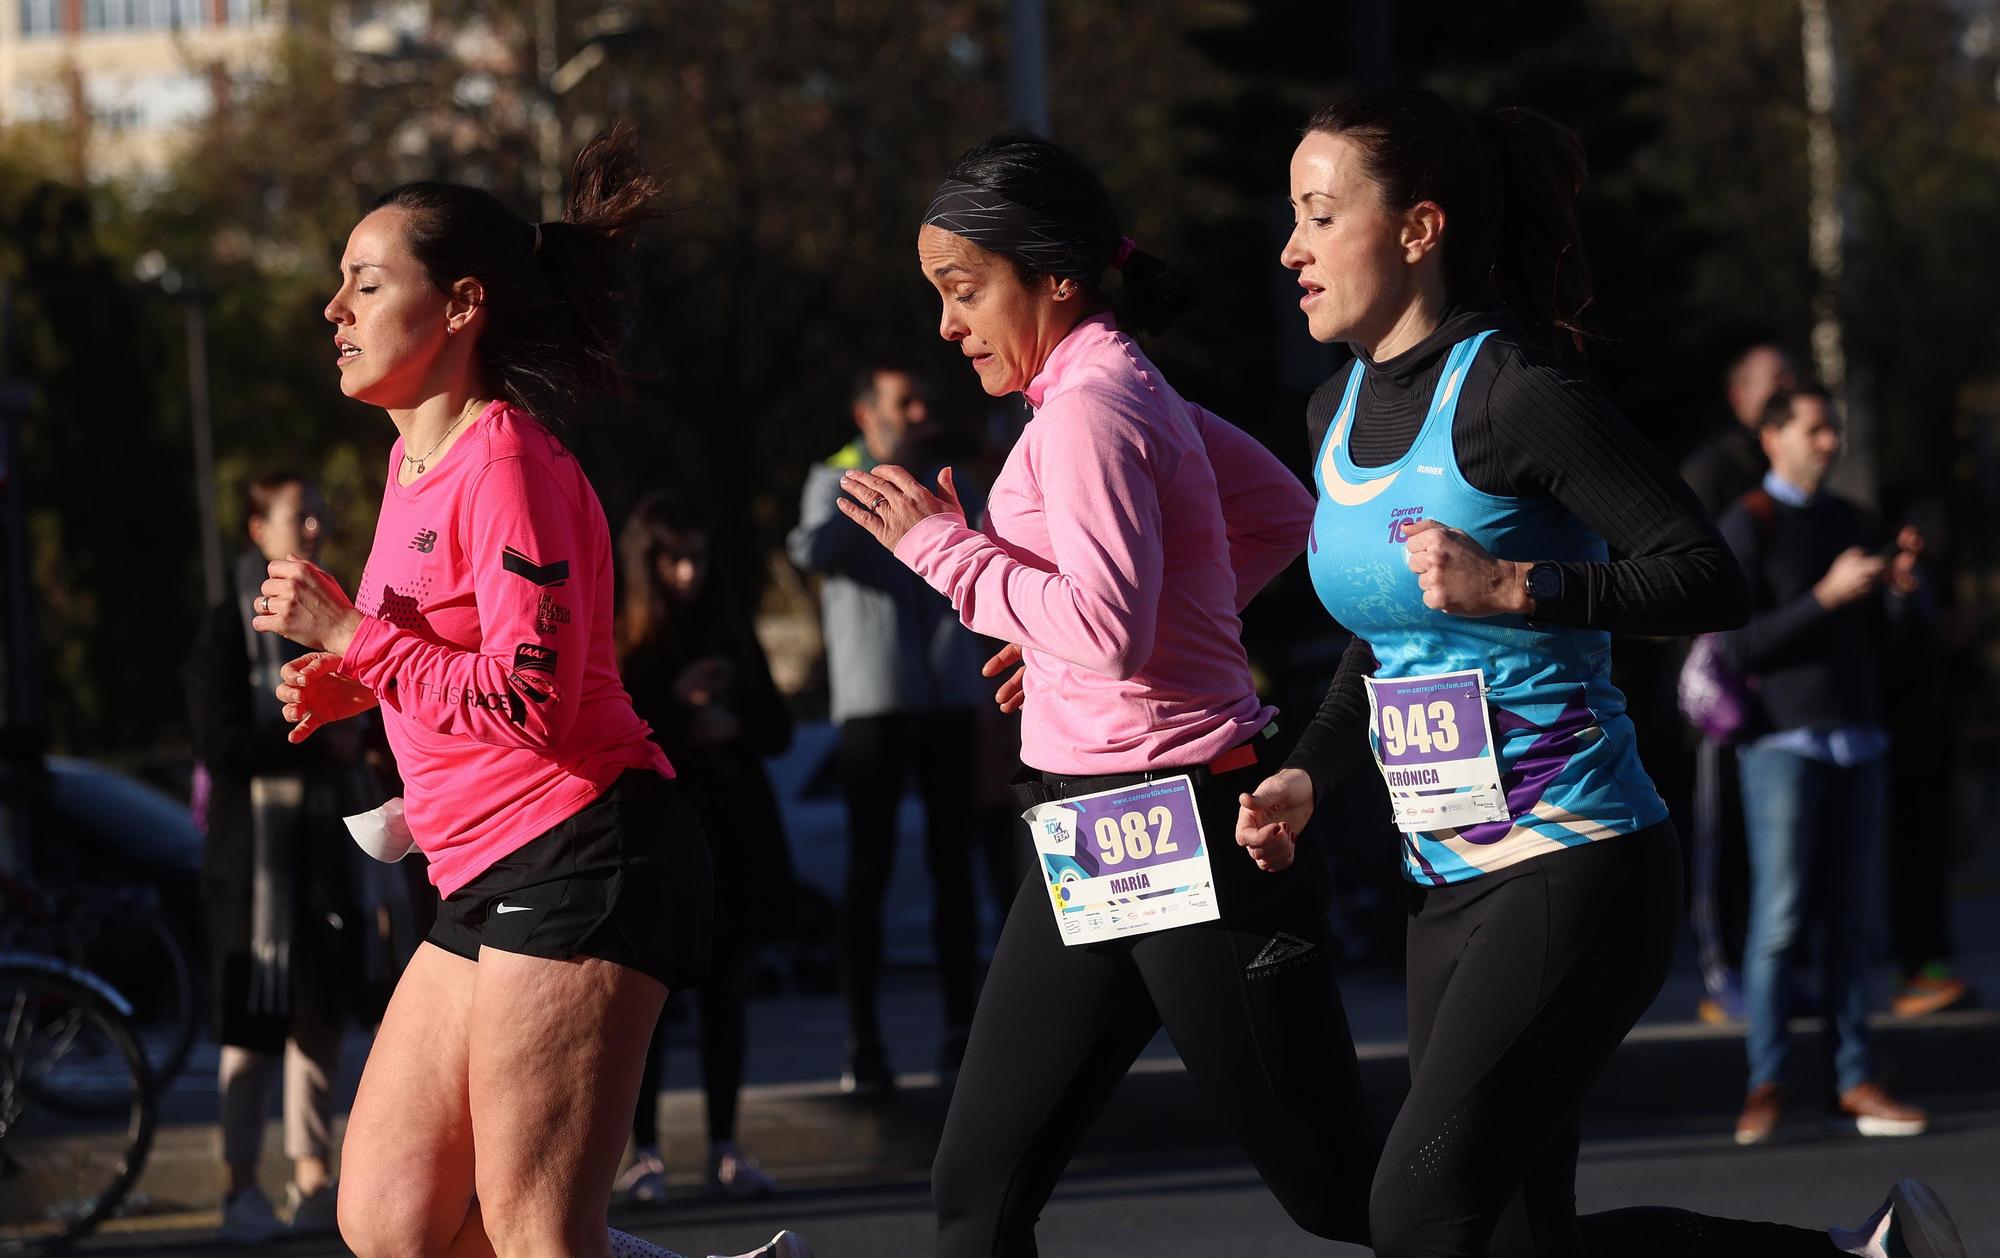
(1471, 491)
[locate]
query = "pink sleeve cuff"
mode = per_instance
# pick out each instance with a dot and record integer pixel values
(364, 649)
(920, 547)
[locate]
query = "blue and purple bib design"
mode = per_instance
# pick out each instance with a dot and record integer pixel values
(1566, 749)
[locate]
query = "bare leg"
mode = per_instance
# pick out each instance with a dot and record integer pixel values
(556, 1053)
(407, 1167)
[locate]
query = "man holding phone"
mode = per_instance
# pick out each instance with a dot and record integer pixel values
(1815, 772)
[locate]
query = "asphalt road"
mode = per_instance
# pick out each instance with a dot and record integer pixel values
(1209, 1208)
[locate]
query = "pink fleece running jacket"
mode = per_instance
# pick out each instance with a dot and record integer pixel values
(486, 634)
(1126, 531)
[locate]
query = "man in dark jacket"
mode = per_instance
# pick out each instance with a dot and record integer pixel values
(1814, 773)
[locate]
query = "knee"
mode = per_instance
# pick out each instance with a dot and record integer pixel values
(955, 1182)
(384, 1224)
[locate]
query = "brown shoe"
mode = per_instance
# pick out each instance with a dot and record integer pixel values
(1875, 1113)
(1761, 1111)
(1928, 994)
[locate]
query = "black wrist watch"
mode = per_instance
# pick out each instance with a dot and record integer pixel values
(1545, 588)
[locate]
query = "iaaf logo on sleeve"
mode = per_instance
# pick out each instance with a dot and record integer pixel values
(533, 657)
(1402, 518)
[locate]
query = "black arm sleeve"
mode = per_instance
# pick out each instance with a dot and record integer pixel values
(1337, 738)
(1554, 434)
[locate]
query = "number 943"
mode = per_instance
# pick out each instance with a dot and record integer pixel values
(1427, 729)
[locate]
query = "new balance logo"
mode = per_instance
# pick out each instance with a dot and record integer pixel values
(512, 908)
(542, 574)
(425, 542)
(1281, 949)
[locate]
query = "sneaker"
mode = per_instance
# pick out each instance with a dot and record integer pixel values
(867, 1071)
(1875, 1113)
(734, 1174)
(316, 1214)
(248, 1219)
(1761, 1112)
(783, 1245)
(1723, 1006)
(1929, 991)
(645, 1181)
(1912, 1223)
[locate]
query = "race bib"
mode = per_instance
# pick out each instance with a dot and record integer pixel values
(1126, 861)
(1433, 741)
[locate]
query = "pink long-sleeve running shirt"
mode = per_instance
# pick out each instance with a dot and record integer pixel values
(1126, 531)
(486, 633)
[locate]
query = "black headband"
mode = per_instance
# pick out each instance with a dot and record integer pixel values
(998, 225)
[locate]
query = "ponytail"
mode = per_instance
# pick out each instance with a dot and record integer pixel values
(1539, 267)
(557, 301)
(1507, 183)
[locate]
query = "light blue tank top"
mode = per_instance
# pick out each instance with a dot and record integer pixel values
(1566, 749)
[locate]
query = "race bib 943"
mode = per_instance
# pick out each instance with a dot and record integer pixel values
(1433, 741)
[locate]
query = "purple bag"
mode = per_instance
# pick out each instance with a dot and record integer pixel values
(1715, 698)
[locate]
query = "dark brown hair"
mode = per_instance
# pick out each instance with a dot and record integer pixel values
(1507, 181)
(1030, 171)
(261, 494)
(556, 302)
(662, 524)
(1778, 411)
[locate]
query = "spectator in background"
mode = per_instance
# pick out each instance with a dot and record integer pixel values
(904, 676)
(1815, 774)
(690, 659)
(284, 921)
(1731, 463)
(1728, 465)
(1927, 659)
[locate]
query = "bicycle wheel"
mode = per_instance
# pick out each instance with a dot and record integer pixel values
(125, 936)
(62, 1175)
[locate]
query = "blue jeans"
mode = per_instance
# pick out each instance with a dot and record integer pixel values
(1814, 830)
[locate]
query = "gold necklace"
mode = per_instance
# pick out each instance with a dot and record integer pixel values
(420, 460)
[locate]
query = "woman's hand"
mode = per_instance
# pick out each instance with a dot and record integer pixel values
(1270, 818)
(301, 602)
(1458, 576)
(315, 694)
(889, 502)
(1013, 692)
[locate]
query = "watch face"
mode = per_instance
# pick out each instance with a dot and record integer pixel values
(1544, 583)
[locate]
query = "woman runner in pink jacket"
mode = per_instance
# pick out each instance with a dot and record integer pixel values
(1126, 532)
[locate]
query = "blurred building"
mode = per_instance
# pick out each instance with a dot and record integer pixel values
(125, 78)
(125, 81)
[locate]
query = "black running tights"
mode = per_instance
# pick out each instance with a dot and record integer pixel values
(1250, 1003)
(1521, 984)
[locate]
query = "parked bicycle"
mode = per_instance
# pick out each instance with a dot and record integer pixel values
(77, 1103)
(125, 935)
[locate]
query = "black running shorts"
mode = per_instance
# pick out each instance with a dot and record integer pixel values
(626, 880)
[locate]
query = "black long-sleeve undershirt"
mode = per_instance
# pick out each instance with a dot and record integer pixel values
(1526, 427)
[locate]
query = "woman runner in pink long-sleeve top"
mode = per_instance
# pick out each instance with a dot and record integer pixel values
(573, 877)
(1126, 532)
